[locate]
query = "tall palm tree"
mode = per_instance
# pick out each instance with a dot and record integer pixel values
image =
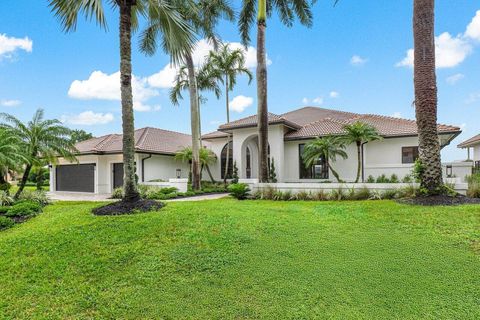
(202, 16)
(207, 158)
(287, 10)
(175, 36)
(10, 154)
(329, 148)
(230, 64)
(41, 141)
(360, 133)
(425, 83)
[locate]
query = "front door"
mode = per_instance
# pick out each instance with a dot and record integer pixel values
(117, 175)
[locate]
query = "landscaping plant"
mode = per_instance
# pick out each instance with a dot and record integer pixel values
(239, 191)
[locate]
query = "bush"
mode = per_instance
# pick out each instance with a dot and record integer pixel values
(37, 196)
(6, 223)
(5, 199)
(303, 195)
(418, 169)
(370, 179)
(239, 190)
(24, 209)
(389, 194)
(383, 179)
(407, 179)
(117, 193)
(394, 178)
(338, 194)
(473, 186)
(408, 192)
(320, 195)
(361, 194)
(5, 186)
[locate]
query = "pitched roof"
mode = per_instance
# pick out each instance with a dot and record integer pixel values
(148, 139)
(308, 122)
(214, 135)
(470, 142)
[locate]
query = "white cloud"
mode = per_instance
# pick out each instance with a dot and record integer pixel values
(305, 101)
(408, 60)
(397, 114)
(163, 79)
(473, 29)
(88, 118)
(334, 94)
(318, 100)
(240, 103)
(10, 103)
(104, 86)
(315, 101)
(453, 79)
(356, 60)
(8, 45)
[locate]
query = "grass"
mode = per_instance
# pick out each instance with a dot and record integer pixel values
(226, 259)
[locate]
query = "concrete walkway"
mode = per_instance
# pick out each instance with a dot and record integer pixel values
(74, 196)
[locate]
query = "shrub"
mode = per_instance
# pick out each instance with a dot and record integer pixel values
(267, 193)
(473, 186)
(5, 199)
(37, 196)
(394, 178)
(338, 194)
(303, 195)
(382, 179)
(23, 209)
(5, 186)
(6, 223)
(239, 190)
(389, 194)
(320, 195)
(272, 175)
(375, 195)
(361, 194)
(3, 210)
(408, 192)
(117, 193)
(370, 179)
(407, 179)
(286, 196)
(418, 169)
(235, 173)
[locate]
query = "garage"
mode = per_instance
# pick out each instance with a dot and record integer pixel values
(75, 177)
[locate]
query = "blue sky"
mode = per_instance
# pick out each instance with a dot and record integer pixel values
(354, 58)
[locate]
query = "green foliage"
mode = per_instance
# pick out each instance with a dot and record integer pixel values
(407, 179)
(271, 172)
(39, 175)
(239, 191)
(118, 193)
(6, 223)
(24, 209)
(338, 194)
(382, 179)
(408, 192)
(38, 196)
(361, 194)
(473, 186)
(5, 187)
(394, 178)
(235, 173)
(389, 194)
(329, 147)
(370, 179)
(79, 136)
(417, 171)
(5, 199)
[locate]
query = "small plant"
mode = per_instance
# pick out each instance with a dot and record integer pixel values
(235, 173)
(370, 179)
(418, 169)
(375, 195)
(383, 179)
(6, 223)
(407, 179)
(37, 196)
(24, 209)
(394, 178)
(239, 191)
(361, 194)
(338, 195)
(272, 175)
(5, 187)
(389, 194)
(117, 193)
(408, 192)
(320, 195)
(5, 198)
(303, 195)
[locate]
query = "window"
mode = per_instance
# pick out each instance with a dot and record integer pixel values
(249, 164)
(409, 154)
(223, 162)
(319, 170)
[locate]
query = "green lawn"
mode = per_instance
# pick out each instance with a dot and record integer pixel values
(226, 259)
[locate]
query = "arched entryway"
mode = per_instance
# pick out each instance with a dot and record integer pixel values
(249, 154)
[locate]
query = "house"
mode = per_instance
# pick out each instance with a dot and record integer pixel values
(289, 132)
(100, 168)
(472, 144)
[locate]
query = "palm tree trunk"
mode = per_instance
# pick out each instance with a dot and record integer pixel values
(262, 112)
(129, 184)
(426, 94)
(194, 121)
(23, 182)
(227, 161)
(359, 154)
(210, 173)
(335, 173)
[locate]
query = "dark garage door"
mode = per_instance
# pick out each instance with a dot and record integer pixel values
(76, 178)
(117, 175)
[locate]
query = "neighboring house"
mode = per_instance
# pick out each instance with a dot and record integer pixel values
(100, 168)
(474, 145)
(289, 132)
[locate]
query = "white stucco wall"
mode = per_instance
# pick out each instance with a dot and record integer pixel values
(162, 167)
(216, 145)
(476, 153)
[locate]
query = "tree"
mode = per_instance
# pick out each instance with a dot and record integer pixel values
(329, 147)
(175, 35)
(425, 84)
(41, 141)
(230, 64)
(80, 135)
(202, 16)
(10, 155)
(360, 133)
(207, 158)
(287, 10)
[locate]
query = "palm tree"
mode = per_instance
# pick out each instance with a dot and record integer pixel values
(425, 83)
(328, 148)
(230, 64)
(287, 10)
(41, 141)
(176, 35)
(202, 16)
(207, 158)
(360, 133)
(10, 155)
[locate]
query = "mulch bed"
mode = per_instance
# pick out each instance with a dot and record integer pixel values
(440, 200)
(122, 207)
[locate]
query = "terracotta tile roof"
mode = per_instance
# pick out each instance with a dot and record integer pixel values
(470, 142)
(214, 135)
(309, 122)
(251, 121)
(146, 140)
